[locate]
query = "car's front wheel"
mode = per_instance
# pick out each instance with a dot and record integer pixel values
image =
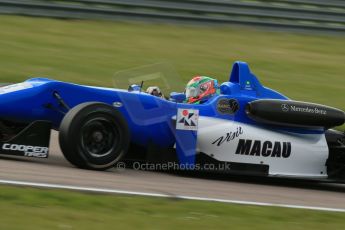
(94, 135)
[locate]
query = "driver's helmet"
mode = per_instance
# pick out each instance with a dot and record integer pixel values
(200, 89)
(155, 91)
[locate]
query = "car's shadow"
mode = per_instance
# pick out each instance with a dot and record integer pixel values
(54, 160)
(311, 184)
(322, 185)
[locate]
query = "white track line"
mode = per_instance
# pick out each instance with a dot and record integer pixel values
(124, 192)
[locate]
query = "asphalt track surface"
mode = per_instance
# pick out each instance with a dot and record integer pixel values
(56, 170)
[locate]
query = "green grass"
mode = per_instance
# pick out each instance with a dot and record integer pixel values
(304, 67)
(28, 208)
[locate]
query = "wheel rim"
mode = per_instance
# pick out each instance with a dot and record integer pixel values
(100, 137)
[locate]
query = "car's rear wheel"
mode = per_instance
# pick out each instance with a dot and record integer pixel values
(94, 135)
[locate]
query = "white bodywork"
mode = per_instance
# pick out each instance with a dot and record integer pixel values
(220, 138)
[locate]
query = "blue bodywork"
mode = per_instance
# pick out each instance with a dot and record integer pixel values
(149, 118)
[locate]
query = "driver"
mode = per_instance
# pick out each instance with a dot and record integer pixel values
(200, 89)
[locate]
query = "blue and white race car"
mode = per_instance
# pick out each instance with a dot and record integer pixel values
(251, 128)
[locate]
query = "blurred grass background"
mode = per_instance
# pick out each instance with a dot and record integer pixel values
(303, 67)
(28, 208)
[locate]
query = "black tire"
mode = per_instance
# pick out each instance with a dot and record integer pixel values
(94, 135)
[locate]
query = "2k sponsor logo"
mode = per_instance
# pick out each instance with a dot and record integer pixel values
(187, 119)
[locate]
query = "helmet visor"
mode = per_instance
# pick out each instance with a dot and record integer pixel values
(191, 92)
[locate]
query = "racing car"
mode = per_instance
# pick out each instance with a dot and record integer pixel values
(253, 129)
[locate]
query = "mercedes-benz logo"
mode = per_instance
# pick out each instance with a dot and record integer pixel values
(285, 108)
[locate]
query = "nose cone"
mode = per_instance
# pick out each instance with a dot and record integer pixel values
(22, 102)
